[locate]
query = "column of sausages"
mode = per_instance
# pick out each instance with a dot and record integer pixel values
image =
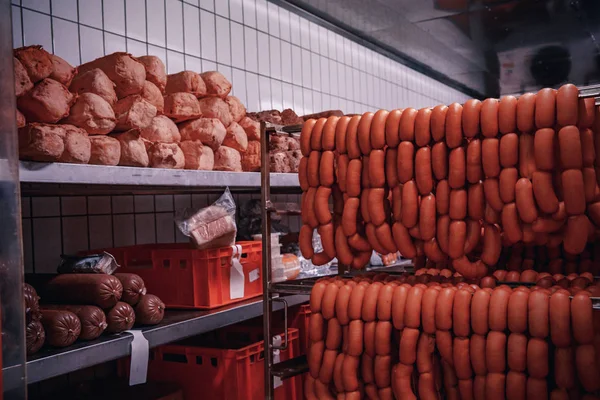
(480, 327)
(586, 357)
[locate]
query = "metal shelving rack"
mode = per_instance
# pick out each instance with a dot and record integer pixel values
(68, 179)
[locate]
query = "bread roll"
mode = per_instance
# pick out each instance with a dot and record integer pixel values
(186, 81)
(36, 60)
(77, 146)
(92, 113)
(251, 158)
(21, 122)
(216, 84)
(155, 71)
(22, 81)
(133, 149)
(227, 159)
(106, 150)
(161, 129)
(280, 162)
(294, 157)
(41, 142)
(181, 106)
(166, 155)
(236, 108)
(133, 112)
(236, 138)
(215, 107)
(49, 101)
(125, 71)
(251, 127)
(62, 71)
(210, 131)
(95, 81)
(197, 156)
(152, 95)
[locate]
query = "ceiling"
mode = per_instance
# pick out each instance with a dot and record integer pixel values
(485, 48)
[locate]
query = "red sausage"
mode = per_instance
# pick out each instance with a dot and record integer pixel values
(490, 155)
(454, 134)
(470, 118)
(526, 112)
(567, 100)
(543, 144)
(392, 124)
(439, 160)
(474, 170)
(509, 150)
(457, 169)
(422, 127)
(407, 125)
(489, 118)
(378, 126)
(438, 122)
(406, 152)
(507, 114)
(423, 174)
(545, 108)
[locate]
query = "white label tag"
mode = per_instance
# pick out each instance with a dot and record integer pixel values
(237, 278)
(140, 352)
(254, 275)
(276, 359)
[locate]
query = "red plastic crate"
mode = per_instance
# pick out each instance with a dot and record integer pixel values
(299, 320)
(188, 278)
(227, 366)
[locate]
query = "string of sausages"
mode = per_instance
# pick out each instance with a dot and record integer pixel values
(453, 184)
(433, 336)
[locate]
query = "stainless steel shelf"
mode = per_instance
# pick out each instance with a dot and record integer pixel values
(77, 174)
(177, 325)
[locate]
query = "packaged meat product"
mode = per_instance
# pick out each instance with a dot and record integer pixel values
(251, 127)
(101, 290)
(49, 101)
(125, 71)
(35, 336)
(41, 142)
(236, 138)
(161, 129)
(215, 107)
(21, 122)
(216, 84)
(62, 71)
(155, 71)
(133, 287)
(166, 155)
(280, 162)
(186, 81)
(95, 81)
(103, 263)
(36, 60)
(77, 146)
(150, 310)
(120, 318)
(22, 81)
(106, 150)
(32, 303)
(152, 95)
(181, 106)
(210, 131)
(62, 327)
(227, 159)
(197, 156)
(92, 318)
(92, 113)
(133, 149)
(133, 112)
(289, 117)
(236, 108)
(251, 158)
(210, 227)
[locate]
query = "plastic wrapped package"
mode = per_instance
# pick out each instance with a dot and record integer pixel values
(210, 227)
(103, 263)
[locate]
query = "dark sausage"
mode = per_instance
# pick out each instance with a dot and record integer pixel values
(120, 318)
(133, 287)
(150, 310)
(98, 289)
(62, 327)
(92, 318)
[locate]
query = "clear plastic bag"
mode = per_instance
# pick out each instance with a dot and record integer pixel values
(210, 227)
(103, 263)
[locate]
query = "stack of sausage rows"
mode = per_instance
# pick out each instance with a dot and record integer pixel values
(453, 184)
(384, 337)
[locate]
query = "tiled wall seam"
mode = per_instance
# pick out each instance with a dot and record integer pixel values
(274, 58)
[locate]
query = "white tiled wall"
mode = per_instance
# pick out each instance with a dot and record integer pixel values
(274, 58)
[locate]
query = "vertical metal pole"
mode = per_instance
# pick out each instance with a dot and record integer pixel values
(265, 195)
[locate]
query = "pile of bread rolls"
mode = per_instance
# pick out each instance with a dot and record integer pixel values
(123, 110)
(453, 184)
(83, 306)
(434, 335)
